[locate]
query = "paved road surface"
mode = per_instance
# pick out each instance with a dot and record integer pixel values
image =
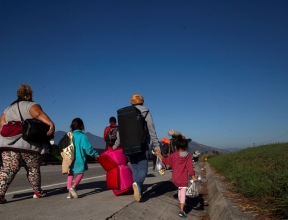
(95, 201)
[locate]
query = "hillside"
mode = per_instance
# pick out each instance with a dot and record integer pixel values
(193, 146)
(98, 143)
(259, 177)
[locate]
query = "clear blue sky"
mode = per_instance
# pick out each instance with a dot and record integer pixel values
(215, 70)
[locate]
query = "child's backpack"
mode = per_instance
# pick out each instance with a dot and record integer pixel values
(132, 128)
(66, 148)
(111, 136)
(65, 141)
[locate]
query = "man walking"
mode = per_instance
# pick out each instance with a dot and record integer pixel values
(139, 161)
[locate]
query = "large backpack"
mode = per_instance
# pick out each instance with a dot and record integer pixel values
(111, 136)
(132, 128)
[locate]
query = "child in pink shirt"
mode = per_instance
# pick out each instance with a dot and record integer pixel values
(181, 162)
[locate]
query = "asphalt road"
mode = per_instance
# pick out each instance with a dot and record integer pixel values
(53, 178)
(94, 202)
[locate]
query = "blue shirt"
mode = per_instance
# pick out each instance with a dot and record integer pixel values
(82, 147)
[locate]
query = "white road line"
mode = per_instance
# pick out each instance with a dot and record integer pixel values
(56, 184)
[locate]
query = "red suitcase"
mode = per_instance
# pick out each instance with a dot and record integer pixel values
(112, 158)
(126, 180)
(118, 192)
(113, 178)
(117, 156)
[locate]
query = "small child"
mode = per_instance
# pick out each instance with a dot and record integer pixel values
(82, 147)
(181, 162)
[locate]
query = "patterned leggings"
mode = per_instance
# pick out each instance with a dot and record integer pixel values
(12, 161)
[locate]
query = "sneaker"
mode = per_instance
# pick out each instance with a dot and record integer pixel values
(136, 192)
(2, 200)
(69, 196)
(39, 194)
(182, 214)
(73, 192)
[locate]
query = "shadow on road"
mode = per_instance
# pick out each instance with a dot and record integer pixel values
(97, 187)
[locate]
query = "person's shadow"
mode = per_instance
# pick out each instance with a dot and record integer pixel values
(95, 187)
(168, 188)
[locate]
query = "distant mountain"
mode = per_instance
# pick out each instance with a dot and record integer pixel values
(193, 146)
(98, 143)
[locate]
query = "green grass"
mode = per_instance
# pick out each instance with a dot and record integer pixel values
(259, 173)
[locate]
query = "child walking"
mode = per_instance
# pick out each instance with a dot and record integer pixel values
(181, 162)
(82, 147)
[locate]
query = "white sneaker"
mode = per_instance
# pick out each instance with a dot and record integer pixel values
(69, 196)
(73, 192)
(137, 196)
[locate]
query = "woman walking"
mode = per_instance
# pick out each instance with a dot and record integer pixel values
(15, 151)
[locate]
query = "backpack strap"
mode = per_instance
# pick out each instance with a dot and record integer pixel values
(106, 131)
(146, 114)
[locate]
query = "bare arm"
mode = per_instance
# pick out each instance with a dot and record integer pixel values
(158, 153)
(194, 178)
(37, 112)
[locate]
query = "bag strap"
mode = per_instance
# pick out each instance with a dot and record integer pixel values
(20, 112)
(13, 142)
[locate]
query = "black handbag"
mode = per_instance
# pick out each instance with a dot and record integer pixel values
(34, 130)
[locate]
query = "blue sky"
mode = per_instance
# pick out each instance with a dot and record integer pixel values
(215, 70)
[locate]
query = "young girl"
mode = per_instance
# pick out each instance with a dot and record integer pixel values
(82, 147)
(181, 163)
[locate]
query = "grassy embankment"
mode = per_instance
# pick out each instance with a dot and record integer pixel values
(259, 174)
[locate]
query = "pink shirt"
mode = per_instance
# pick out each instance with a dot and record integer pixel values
(181, 167)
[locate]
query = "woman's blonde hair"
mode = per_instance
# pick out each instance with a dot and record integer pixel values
(25, 92)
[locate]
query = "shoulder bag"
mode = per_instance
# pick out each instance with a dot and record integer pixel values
(34, 130)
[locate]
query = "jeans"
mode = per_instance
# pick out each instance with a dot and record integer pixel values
(139, 163)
